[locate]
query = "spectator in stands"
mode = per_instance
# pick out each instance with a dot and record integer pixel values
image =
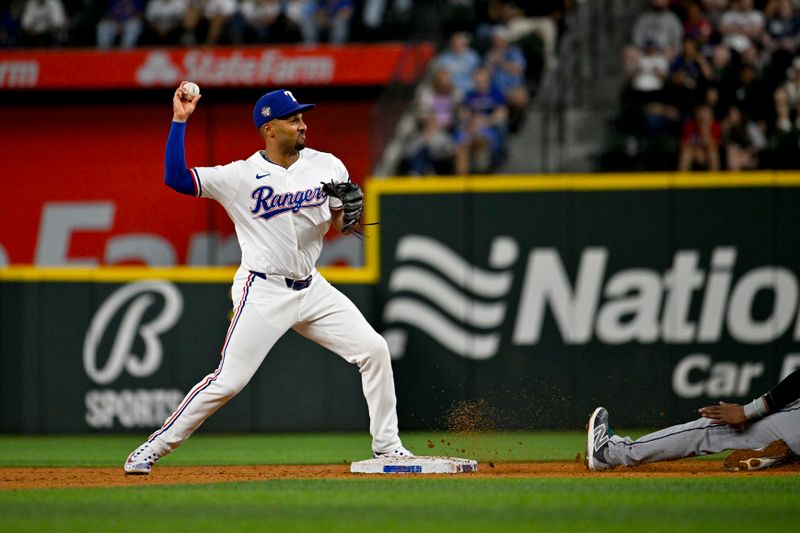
(784, 124)
(784, 130)
(326, 20)
(11, 24)
(694, 62)
(441, 100)
(484, 109)
(721, 66)
(700, 141)
(646, 72)
(781, 34)
(298, 13)
(388, 19)
(741, 26)
(742, 139)
(527, 18)
(661, 25)
(164, 20)
(670, 107)
(486, 100)
(260, 18)
(206, 20)
(479, 146)
(373, 14)
(506, 65)
(746, 91)
(787, 100)
(44, 23)
(697, 26)
(783, 26)
(123, 21)
(431, 150)
(460, 61)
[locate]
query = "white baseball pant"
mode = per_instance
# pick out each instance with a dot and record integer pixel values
(265, 309)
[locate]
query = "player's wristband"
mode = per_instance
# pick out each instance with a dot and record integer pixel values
(755, 409)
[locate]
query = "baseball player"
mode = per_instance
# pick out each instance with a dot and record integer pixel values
(281, 211)
(766, 432)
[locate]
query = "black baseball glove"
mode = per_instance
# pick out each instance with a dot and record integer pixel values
(352, 203)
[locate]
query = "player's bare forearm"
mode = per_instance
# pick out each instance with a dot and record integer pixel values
(337, 218)
(182, 107)
(724, 413)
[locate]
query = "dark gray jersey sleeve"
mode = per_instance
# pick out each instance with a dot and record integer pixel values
(784, 393)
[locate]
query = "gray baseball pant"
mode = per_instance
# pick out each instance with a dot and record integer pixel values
(702, 437)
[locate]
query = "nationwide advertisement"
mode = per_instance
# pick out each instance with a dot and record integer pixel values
(540, 300)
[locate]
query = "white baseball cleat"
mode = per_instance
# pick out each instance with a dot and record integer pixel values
(400, 451)
(141, 460)
(773, 454)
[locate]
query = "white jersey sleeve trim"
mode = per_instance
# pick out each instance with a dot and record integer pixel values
(197, 185)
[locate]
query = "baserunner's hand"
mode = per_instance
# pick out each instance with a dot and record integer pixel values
(724, 413)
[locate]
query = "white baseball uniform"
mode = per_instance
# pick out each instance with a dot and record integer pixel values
(280, 216)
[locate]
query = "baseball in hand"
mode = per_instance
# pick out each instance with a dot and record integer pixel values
(190, 90)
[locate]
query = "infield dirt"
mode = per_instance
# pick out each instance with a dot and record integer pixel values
(49, 477)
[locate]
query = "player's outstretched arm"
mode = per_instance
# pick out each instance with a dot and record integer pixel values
(786, 392)
(176, 174)
(182, 105)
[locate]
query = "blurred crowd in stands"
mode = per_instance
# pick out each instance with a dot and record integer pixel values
(130, 23)
(710, 85)
(480, 87)
(492, 52)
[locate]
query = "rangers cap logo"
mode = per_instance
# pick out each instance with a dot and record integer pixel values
(277, 104)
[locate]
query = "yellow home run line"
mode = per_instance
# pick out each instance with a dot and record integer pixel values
(375, 188)
(585, 182)
(181, 274)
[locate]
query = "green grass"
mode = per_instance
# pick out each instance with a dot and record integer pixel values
(297, 448)
(723, 504)
(463, 503)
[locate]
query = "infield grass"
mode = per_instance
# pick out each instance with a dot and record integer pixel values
(290, 448)
(729, 503)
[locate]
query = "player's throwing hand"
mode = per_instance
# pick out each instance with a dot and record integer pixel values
(183, 106)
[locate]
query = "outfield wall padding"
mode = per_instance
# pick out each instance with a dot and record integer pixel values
(506, 303)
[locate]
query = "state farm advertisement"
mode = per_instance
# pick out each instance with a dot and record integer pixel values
(354, 65)
(84, 185)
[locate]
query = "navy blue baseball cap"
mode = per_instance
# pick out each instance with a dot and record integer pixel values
(277, 104)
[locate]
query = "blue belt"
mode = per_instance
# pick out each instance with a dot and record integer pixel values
(295, 284)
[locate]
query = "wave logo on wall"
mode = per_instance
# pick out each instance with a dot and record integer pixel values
(460, 305)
